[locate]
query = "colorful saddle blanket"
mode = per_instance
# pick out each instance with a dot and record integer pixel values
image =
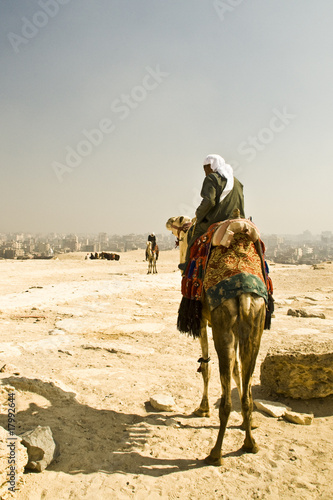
(232, 270)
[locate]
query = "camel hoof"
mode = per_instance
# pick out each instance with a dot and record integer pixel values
(251, 449)
(213, 461)
(201, 413)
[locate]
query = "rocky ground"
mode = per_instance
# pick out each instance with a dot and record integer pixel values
(104, 333)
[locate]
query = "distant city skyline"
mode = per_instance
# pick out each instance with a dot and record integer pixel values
(304, 235)
(293, 249)
(109, 108)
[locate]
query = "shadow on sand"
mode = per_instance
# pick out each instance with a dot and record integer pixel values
(92, 440)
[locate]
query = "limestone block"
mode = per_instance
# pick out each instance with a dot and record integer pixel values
(299, 418)
(11, 449)
(302, 373)
(272, 408)
(162, 402)
(41, 447)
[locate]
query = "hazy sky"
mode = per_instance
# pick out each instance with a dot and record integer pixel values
(108, 108)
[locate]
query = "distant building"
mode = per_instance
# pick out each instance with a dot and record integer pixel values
(327, 237)
(103, 241)
(71, 243)
(9, 253)
(298, 253)
(94, 247)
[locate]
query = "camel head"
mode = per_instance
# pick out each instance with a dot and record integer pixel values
(179, 227)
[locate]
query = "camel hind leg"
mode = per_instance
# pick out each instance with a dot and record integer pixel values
(224, 318)
(236, 371)
(251, 325)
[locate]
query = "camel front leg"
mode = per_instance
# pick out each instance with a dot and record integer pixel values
(226, 362)
(215, 456)
(204, 368)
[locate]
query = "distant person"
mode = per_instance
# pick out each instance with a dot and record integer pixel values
(154, 247)
(221, 194)
(152, 238)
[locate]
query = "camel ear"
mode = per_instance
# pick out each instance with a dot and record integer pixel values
(181, 219)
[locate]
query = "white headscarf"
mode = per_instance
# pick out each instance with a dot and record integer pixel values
(218, 164)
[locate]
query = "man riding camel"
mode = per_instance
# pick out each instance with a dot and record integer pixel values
(154, 246)
(221, 194)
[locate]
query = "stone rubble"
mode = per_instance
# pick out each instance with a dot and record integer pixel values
(272, 408)
(40, 446)
(299, 418)
(162, 402)
(278, 410)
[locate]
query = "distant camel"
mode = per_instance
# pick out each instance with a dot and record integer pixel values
(151, 254)
(104, 255)
(237, 325)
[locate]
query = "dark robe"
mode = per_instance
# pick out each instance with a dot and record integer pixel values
(211, 209)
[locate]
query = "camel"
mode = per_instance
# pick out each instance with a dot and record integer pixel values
(237, 326)
(151, 258)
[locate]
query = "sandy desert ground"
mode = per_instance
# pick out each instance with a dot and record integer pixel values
(105, 333)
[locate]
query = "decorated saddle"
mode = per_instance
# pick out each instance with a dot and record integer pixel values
(236, 266)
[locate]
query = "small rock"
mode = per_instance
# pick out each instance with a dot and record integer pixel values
(56, 331)
(65, 352)
(272, 408)
(157, 421)
(295, 312)
(171, 422)
(299, 418)
(41, 447)
(162, 402)
(8, 368)
(93, 347)
(301, 313)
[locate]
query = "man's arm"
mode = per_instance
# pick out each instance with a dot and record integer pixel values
(208, 194)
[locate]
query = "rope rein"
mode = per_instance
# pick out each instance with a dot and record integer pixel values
(184, 228)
